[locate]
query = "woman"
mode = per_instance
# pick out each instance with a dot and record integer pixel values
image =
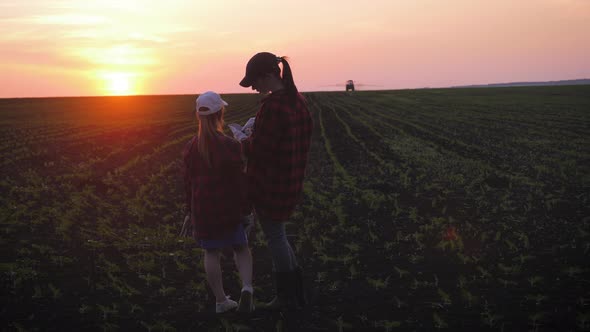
(214, 183)
(277, 156)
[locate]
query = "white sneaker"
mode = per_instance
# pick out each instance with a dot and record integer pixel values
(225, 306)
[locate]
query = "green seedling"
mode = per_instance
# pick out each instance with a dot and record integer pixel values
(444, 296)
(324, 258)
(84, 309)
(483, 236)
(401, 272)
(484, 274)
(498, 236)
(468, 297)
(464, 259)
(181, 266)
(538, 298)
(572, 271)
(534, 280)
(439, 323)
(415, 258)
(583, 320)
(524, 239)
(353, 247)
(346, 259)
(165, 291)
(511, 245)
(108, 326)
(108, 310)
(320, 276)
(461, 281)
(38, 293)
(334, 286)
(389, 246)
(524, 258)
(55, 292)
(399, 303)
(378, 283)
(136, 308)
(149, 279)
(414, 214)
(489, 318)
(398, 236)
(510, 270)
(341, 324)
(388, 325)
(363, 318)
(373, 237)
(353, 272)
(506, 283)
(534, 318)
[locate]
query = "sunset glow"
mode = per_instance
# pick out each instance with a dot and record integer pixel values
(66, 47)
(118, 84)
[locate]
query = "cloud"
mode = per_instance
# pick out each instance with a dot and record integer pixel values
(45, 55)
(62, 19)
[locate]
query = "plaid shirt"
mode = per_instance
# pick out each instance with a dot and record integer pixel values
(215, 195)
(277, 155)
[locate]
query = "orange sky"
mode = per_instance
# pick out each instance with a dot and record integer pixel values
(69, 48)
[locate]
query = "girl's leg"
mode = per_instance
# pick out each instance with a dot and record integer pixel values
(213, 271)
(243, 259)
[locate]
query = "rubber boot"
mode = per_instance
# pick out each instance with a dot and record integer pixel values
(300, 290)
(285, 289)
(246, 304)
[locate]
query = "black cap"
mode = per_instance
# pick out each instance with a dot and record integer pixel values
(260, 64)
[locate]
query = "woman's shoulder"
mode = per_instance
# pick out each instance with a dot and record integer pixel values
(282, 99)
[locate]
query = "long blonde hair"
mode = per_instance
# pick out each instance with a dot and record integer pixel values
(209, 126)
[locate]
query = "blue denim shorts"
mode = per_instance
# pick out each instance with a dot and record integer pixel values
(236, 238)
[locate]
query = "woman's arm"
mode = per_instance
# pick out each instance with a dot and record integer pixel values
(266, 135)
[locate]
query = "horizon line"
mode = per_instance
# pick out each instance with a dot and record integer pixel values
(483, 85)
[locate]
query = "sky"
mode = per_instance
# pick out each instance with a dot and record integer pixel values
(119, 47)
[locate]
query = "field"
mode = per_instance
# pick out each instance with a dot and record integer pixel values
(453, 209)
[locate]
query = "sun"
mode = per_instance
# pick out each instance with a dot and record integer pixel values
(118, 84)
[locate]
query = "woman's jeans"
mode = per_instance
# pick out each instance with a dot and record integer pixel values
(283, 257)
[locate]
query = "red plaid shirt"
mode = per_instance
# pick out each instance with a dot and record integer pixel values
(277, 155)
(215, 195)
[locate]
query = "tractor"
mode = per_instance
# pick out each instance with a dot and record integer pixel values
(349, 85)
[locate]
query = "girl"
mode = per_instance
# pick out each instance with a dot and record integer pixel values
(214, 183)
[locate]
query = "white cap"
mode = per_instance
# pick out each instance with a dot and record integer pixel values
(212, 101)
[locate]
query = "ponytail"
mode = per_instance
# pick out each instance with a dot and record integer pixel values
(288, 77)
